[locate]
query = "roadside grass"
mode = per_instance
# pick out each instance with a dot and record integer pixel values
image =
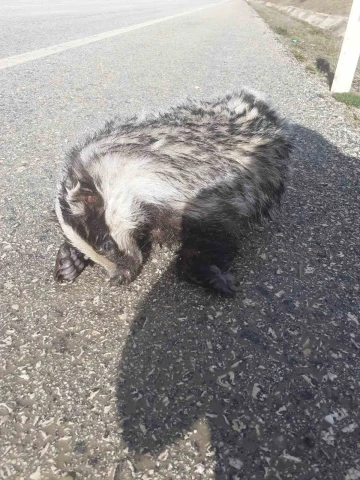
(298, 55)
(282, 31)
(350, 99)
(316, 49)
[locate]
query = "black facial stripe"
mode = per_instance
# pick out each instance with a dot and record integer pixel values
(91, 226)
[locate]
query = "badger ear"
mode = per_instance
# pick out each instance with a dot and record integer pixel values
(87, 196)
(80, 188)
(72, 189)
(71, 182)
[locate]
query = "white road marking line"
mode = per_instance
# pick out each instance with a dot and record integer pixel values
(62, 47)
(50, 5)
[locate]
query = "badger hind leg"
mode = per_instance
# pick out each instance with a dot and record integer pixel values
(206, 263)
(70, 262)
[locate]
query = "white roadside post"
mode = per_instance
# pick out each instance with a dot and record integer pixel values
(350, 51)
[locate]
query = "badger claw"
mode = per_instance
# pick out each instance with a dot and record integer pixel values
(224, 283)
(121, 277)
(70, 262)
(198, 267)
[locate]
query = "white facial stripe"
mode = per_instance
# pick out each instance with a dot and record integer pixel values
(81, 245)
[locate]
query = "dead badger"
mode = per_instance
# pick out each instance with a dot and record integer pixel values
(196, 175)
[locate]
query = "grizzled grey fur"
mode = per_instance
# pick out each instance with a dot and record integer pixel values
(196, 174)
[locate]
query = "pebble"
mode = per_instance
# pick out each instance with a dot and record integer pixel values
(258, 392)
(235, 463)
(36, 475)
(352, 474)
(353, 318)
(350, 428)
(200, 469)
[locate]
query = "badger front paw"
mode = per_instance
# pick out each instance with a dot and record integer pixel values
(70, 262)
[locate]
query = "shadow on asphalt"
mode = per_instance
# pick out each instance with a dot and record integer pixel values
(256, 376)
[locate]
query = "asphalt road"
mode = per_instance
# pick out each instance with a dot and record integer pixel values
(32, 24)
(161, 380)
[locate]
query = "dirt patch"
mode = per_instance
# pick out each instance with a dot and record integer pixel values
(331, 7)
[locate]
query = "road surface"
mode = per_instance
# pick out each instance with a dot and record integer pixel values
(161, 380)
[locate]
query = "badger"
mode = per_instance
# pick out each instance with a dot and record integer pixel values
(194, 176)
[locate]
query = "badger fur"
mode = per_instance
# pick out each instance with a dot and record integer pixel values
(194, 175)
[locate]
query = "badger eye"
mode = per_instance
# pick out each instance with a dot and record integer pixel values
(108, 245)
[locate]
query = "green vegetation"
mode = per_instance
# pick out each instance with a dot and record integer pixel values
(351, 99)
(317, 49)
(298, 55)
(282, 31)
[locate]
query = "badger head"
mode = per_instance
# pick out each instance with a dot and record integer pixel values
(80, 210)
